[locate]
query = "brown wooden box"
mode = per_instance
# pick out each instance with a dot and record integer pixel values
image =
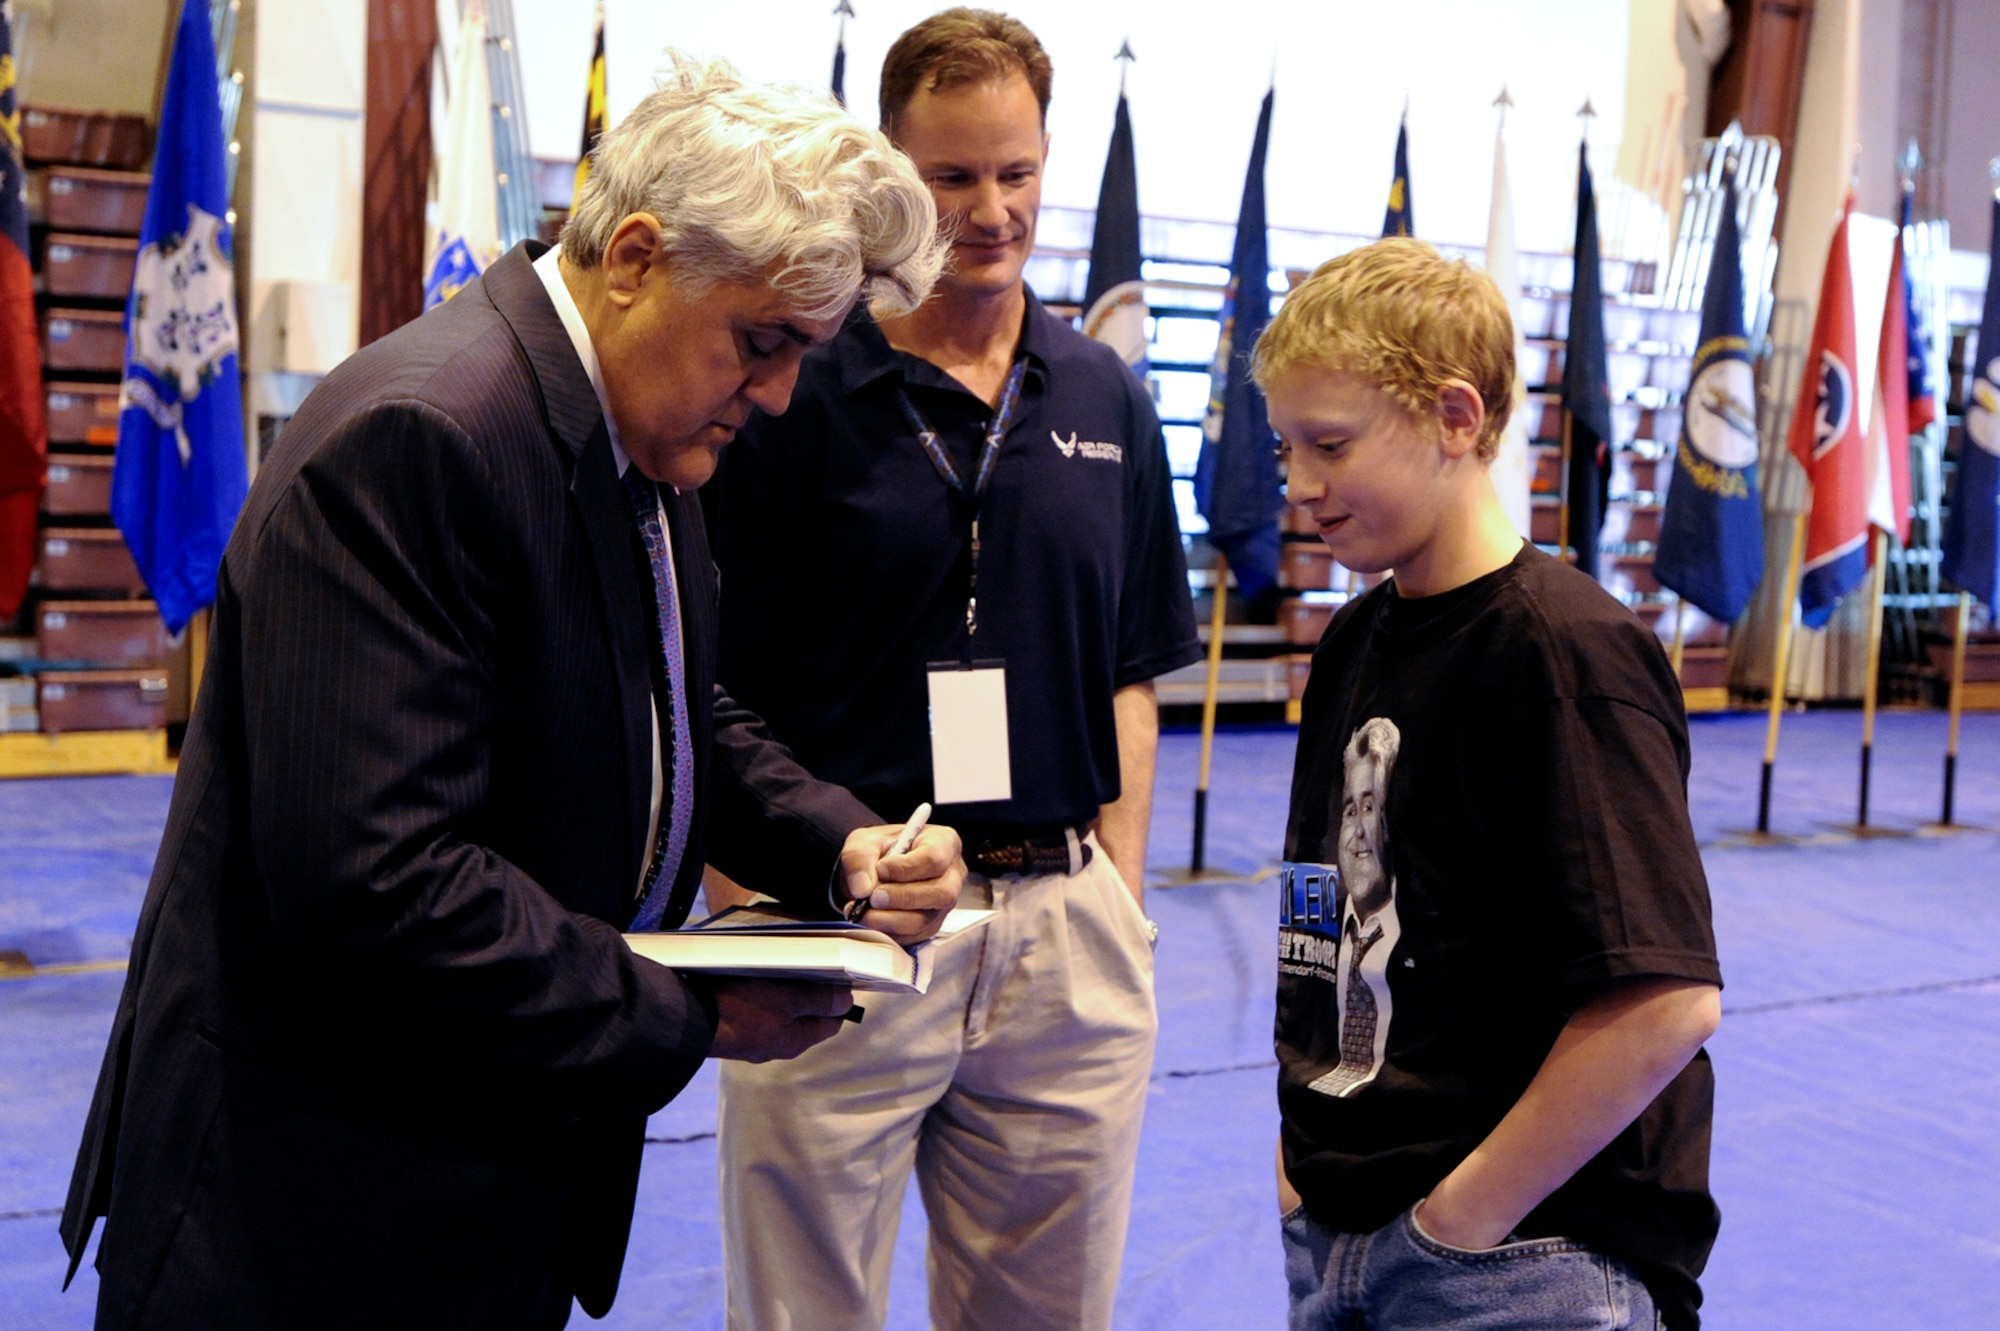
(101, 632)
(103, 700)
(1305, 566)
(1982, 661)
(1625, 522)
(1544, 419)
(1631, 473)
(1304, 621)
(81, 198)
(79, 486)
(1633, 571)
(1298, 669)
(1548, 476)
(96, 266)
(88, 559)
(84, 339)
(1545, 522)
(1704, 667)
(83, 413)
(116, 139)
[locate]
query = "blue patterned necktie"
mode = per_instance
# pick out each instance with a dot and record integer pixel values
(677, 802)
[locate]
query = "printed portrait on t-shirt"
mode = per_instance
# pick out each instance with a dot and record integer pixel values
(1344, 938)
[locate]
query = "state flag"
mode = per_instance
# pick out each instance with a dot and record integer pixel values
(1236, 479)
(1399, 218)
(467, 237)
(1512, 473)
(1586, 387)
(1971, 548)
(24, 440)
(1114, 298)
(179, 477)
(1711, 548)
(1826, 439)
(1888, 441)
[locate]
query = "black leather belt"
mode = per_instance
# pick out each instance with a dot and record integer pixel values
(999, 851)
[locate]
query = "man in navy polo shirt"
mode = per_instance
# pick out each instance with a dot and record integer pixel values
(986, 490)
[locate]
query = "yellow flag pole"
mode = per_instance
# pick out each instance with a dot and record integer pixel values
(1779, 667)
(197, 655)
(1879, 553)
(1957, 702)
(1562, 505)
(1680, 635)
(1215, 624)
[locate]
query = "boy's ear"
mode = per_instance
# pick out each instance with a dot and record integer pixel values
(1461, 413)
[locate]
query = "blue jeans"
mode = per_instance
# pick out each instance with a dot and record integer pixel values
(1401, 1279)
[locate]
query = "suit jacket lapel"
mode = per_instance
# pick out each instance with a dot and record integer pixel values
(576, 419)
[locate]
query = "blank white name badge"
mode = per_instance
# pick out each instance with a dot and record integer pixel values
(969, 759)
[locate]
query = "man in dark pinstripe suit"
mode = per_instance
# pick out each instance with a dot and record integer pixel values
(382, 1058)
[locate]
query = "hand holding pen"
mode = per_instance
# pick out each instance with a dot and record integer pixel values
(905, 881)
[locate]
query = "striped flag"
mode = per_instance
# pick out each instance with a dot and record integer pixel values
(24, 440)
(1888, 441)
(180, 476)
(1711, 548)
(1826, 439)
(468, 231)
(1972, 531)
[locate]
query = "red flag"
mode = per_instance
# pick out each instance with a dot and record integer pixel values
(1888, 446)
(24, 440)
(1826, 439)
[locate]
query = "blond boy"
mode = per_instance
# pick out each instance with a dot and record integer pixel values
(1495, 1115)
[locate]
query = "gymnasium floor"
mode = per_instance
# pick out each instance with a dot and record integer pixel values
(1857, 1135)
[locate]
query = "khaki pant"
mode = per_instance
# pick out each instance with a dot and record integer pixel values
(1015, 1087)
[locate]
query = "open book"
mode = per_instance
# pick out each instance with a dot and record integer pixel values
(756, 941)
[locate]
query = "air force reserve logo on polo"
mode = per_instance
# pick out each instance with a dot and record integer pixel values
(1092, 449)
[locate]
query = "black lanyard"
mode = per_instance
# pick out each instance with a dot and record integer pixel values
(989, 454)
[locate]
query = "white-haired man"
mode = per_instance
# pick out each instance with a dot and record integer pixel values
(382, 1059)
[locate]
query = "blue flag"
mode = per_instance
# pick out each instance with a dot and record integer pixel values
(1711, 547)
(1972, 531)
(1399, 219)
(1236, 480)
(1586, 391)
(1114, 301)
(180, 476)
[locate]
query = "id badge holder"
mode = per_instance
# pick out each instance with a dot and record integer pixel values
(969, 757)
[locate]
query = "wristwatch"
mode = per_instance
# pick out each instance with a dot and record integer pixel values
(1153, 933)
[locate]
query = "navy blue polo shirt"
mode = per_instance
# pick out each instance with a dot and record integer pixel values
(845, 561)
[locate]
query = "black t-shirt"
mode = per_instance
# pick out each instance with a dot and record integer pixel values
(845, 565)
(1512, 758)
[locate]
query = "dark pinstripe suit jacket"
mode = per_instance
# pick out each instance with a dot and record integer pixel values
(381, 1058)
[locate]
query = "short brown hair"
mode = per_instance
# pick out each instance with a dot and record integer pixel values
(957, 47)
(1406, 319)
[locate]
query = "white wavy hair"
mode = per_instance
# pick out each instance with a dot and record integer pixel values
(754, 182)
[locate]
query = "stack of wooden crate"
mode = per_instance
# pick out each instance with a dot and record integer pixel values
(99, 650)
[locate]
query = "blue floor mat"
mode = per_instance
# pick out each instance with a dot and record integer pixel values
(1858, 1068)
